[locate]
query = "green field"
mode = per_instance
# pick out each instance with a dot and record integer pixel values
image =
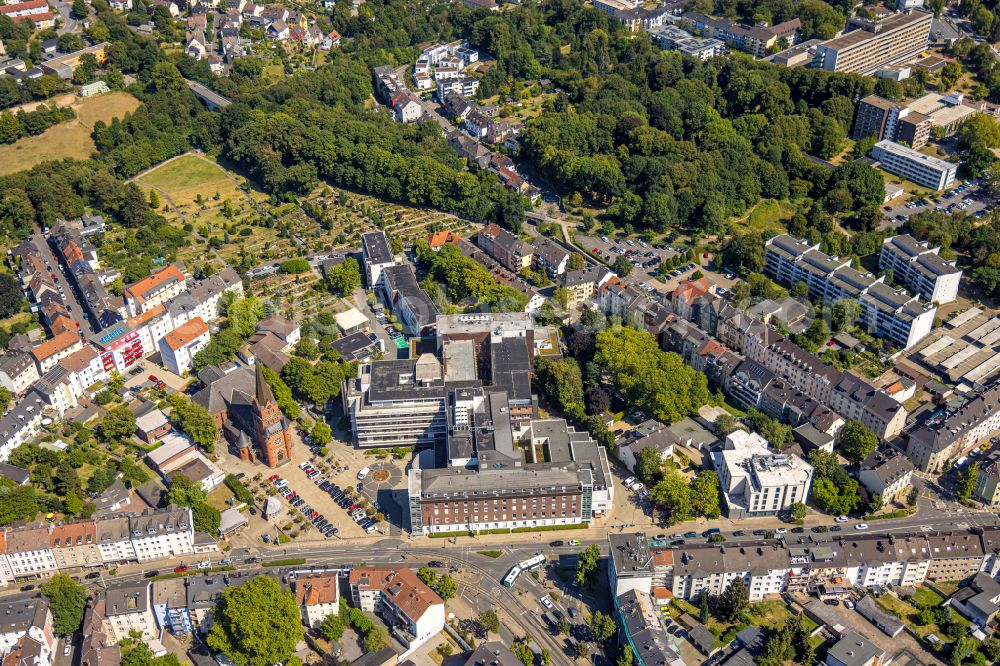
(186, 177)
(767, 216)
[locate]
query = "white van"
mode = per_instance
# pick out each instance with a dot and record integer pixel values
(365, 471)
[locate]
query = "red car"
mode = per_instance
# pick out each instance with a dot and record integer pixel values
(273, 478)
(352, 507)
(181, 568)
(153, 379)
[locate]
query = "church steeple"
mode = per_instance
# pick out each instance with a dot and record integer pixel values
(262, 391)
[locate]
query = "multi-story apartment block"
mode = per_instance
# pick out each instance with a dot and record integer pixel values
(128, 607)
(922, 169)
(402, 293)
(512, 252)
(756, 481)
(376, 255)
(74, 544)
(114, 539)
(29, 552)
(886, 312)
(126, 342)
(402, 598)
(886, 472)
(919, 267)
(957, 555)
(988, 483)
(397, 403)
(157, 534)
(318, 596)
(673, 38)
(84, 370)
(155, 290)
(49, 353)
(27, 632)
(177, 348)
(942, 439)
(17, 372)
(879, 43)
(550, 257)
(21, 423)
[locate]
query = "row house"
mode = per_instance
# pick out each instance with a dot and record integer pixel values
(27, 632)
(773, 567)
(162, 534)
(512, 252)
(936, 443)
(128, 609)
(21, 423)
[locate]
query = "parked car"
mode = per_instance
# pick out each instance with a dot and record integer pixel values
(861, 526)
(180, 568)
(363, 474)
(547, 602)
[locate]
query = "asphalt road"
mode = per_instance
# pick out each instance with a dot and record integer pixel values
(70, 297)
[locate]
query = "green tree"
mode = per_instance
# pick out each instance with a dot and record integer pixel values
(332, 627)
(523, 653)
(648, 464)
(256, 624)
(626, 658)
(195, 420)
(134, 652)
(622, 266)
(734, 601)
(67, 600)
(798, 511)
(118, 425)
(967, 481)
(857, 440)
(322, 434)
(575, 262)
(602, 625)
(587, 565)
(79, 9)
(703, 607)
(489, 621)
(991, 648)
(672, 495)
(154, 199)
(346, 277)
(580, 650)
(376, 639)
(705, 494)
(446, 587)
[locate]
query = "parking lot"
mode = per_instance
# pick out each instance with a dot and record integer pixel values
(645, 257)
(970, 199)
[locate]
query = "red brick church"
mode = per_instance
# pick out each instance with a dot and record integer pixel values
(243, 406)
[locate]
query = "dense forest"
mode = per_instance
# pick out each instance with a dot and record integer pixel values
(660, 140)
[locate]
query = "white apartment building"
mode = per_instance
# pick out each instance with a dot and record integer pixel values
(85, 370)
(26, 627)
(163, 533)
(177, 348)
(886, 312)
(21, 423)
(318, 596)
(29, 552)
(756, 481)
(919, 267)
(403, 598)
(376, 254)
(154, 290)
(114, 539)
(128, 608)
(924, 170)
(17, 372)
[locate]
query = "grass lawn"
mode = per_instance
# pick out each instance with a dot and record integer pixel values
(925, 596)
(949, 587)
(768, 215)
(767, 614)
(186, 177)
(68, 139)
(218, 497)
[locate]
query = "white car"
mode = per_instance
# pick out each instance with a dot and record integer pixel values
(204, 565)
(629, 481)
(841, 519)
(849, 605)
(547, 602)
(67, 649)
(363, 474)
(861, 526)
(780, 530)
(280, 483)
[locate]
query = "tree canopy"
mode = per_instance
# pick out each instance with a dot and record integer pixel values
(256, 624)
